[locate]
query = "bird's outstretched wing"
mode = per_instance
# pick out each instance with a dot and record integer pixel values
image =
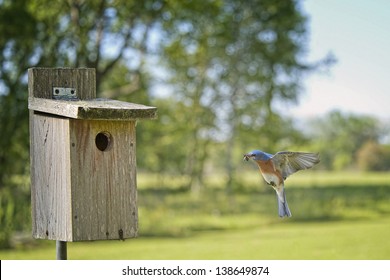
(288, 163)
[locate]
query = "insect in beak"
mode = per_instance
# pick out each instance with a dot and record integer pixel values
(247, 157)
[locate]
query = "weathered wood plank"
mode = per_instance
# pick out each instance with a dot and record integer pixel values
(104, 192)
(50, 178)
(41, 81)
(98, 109)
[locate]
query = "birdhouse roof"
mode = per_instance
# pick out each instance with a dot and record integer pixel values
(93, 109)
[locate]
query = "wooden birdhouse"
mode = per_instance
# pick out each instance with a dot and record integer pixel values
(83, 158)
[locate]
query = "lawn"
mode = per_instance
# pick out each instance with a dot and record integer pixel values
(331, 240)
(335, 216)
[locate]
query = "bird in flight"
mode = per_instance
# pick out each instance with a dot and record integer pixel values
(276, 168)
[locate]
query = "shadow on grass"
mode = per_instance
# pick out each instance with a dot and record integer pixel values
(340, 202)
(178, 213)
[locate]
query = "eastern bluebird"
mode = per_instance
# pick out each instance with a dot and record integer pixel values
(276, 168)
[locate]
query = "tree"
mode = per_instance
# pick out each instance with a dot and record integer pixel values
(73, 33)
(338, 136)
(227, 63)
(373, 156)
(230, 61)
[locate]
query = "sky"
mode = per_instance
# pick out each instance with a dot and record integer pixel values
(357, 33)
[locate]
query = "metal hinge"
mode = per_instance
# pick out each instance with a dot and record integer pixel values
(64, 93)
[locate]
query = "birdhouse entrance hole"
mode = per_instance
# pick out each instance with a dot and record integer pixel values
(103, 140)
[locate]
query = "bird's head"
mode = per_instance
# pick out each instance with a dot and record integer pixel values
(257, 155)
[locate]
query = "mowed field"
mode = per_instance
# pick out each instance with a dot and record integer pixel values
(335, 216)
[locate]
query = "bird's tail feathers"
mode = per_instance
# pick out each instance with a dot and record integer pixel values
(282, 204)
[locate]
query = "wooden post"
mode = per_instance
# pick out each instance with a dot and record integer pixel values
(83, 159)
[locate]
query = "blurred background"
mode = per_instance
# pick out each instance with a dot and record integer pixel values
(227, 77)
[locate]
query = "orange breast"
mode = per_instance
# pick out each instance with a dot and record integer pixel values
(268, 171)
(266, 166)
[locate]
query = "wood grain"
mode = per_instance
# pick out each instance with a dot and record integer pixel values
(78, 191)
(104, 194)
(41, 81)
(94, 109)
(81, 190)
(50, 179)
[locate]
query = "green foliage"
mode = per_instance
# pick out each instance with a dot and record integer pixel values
(224, 58)
(224, 64)
(15, 214)
(338, 137)
(373, 157)
(230, 61)
(163, 144)
(59, 34)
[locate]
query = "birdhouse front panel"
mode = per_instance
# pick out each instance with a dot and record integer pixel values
(103, 176)
(83, 179)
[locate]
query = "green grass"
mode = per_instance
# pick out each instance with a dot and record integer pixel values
(335, 216)
(334, 240)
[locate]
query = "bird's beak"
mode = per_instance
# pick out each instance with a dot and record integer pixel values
(247, 156)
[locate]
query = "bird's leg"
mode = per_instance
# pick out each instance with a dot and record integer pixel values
(272, 183)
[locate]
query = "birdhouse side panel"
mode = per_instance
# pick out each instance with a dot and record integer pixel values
(50, 177)
(103, 168)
